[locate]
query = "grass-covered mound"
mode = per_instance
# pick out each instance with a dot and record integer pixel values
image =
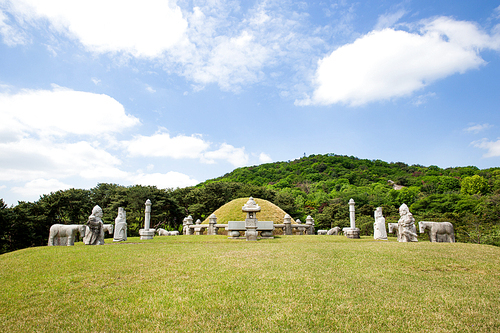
(290, 283)
(231, 211)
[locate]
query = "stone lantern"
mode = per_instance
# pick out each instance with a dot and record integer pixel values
(251, 208)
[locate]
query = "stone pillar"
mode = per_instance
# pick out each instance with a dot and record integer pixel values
(310, 225)
(287, 220)
(197, 231)
(251, 208)
(300, 229)
(189, 221)
(351, 232)
(212, 221)
(147, 233)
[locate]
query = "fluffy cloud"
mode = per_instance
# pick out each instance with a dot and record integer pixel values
(162, 145)
(164, 180)
(265, 158)
(37, 187)
(477, 128)
(392, 63)
(110, 25)
(61, 112)
(182, 146)
(235, 156)
(492, 147)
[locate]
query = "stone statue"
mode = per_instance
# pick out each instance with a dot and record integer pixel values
(379, 225)
(334, 231)
(120, 226)
(406, 225)
(163, 232)
(437, 229)
(94, 234)
(393, 228)
(64, 234)
(322, 232)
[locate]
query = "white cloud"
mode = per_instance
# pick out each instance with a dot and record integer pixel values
(422, 99)
(150, 89)
(144, 30)
(29, 159)
(170, 179)
(388, 20)
(96, 81)
(477, 128)
(162, 145)
(393, 63)
(10, 34)
(40, 186)
(492, 147)
(265, 158)
(61, 112)
(235, 156)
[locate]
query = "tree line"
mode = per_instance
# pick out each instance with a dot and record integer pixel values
(317, 185)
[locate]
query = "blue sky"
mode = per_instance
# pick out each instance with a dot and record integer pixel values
(171, 93)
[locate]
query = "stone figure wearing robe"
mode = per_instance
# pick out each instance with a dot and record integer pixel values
(94, 234)
(379, 231)
(120, 226)
(406, 225)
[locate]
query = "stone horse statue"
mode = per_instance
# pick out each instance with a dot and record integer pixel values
(438, 231)
(64, 234)
(393, 229)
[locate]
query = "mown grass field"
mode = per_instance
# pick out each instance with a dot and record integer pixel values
(291, 283)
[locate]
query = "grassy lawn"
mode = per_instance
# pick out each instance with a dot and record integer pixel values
(291, 283)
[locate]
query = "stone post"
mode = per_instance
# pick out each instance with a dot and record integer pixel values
(309, 223)
(287, 220)
(197, 231)
(351, 232)
(212, 221)
(301, 230)
(189, 221)
(147, 232)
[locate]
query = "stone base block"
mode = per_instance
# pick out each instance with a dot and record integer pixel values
(251, 234)
(351, 233)
(147, 234)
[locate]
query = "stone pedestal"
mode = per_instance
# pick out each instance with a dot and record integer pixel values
(147, 234)
(351, 233)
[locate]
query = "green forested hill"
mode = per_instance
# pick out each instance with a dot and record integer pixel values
(317, 185)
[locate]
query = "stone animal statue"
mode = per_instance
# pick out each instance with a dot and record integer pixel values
(64, 234)
(333, 231)
(163, 232)
(322, 232)
(438, 231)
(393, 229)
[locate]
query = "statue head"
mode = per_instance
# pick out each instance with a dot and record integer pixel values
(97, 211)
(403, 210)
(378, 212)
(121, 212)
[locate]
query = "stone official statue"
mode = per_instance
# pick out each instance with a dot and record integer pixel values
(95, 233)
(406, 225)
(120, 226)
(379, 231)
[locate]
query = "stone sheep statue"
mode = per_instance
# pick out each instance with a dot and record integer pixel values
(334, 231)
(64, 234)
(322, 232)
(438, 231)
(163, 232)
